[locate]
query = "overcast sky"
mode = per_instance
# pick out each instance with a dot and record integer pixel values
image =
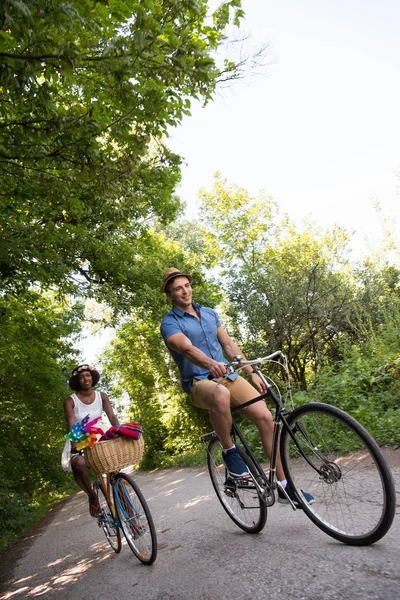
(320, 131)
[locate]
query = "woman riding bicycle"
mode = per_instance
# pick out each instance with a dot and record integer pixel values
(85, 401)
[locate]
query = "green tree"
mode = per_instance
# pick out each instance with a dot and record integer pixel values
(288, 289)
(140, 369)
(36, 355)
(88, 90)
(366, 381)
(137, 362)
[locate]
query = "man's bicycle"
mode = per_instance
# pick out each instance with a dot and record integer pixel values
(122, 504)
(325, 452)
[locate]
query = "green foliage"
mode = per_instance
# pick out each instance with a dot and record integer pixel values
(279, 287)
(287, 288)
(16, 514)
(138, 364)
(35, 359)
(87, 92)
(366, 384)
(19, 513)
(195, 457)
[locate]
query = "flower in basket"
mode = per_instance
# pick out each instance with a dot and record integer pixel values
(89, 441)
(81, 430)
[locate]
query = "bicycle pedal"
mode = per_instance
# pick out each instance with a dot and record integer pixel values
(208, 437)
(245, 482)
(139, 532)
(230, 483)
(265, 492)
(268, 494)
(239, 482)
(269, 498)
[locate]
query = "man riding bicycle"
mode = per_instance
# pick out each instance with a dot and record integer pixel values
(197, 342)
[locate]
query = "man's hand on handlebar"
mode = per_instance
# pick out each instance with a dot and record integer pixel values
(217, 370)
(258, 382)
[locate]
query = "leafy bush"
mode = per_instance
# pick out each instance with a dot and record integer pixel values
(366, 384)
(18, 512)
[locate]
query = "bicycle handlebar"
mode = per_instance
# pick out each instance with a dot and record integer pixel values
(238, 362)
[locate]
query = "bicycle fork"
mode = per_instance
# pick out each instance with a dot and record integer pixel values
(127, 506)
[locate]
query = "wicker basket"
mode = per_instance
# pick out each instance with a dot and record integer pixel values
(113, 455)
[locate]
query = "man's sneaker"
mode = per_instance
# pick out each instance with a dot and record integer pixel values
(283, 500)
(235, 465)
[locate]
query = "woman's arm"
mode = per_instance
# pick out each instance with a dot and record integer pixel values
(69, 412)
(69, 415)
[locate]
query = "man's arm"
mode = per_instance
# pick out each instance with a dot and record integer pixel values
(231, 350)
(181, 343)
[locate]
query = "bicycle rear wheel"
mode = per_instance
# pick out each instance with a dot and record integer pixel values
(341, 465)
(239, 498)
(135, 518)
(106, 521)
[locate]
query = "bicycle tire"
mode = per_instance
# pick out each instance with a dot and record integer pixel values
(106, 521)
(135, 518)
(243, 504)
(355, 497)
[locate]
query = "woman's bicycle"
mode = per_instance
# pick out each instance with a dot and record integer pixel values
(325, 452)
(122, 504)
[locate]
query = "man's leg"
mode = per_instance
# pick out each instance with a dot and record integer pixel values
(242, 391)
(216, 399)
(258, 413)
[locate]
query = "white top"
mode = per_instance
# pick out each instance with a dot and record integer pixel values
(95, 409)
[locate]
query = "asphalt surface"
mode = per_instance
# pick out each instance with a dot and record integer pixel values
(201, 553)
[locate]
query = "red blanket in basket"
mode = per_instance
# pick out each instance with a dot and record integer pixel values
(130, 430)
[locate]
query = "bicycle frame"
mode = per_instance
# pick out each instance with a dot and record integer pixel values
(349, 479)
(109, 484)
(121, 506)
(279, 419)
(106, 485)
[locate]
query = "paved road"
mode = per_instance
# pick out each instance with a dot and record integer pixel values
(202, 554)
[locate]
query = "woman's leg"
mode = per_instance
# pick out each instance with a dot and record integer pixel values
(81, 476)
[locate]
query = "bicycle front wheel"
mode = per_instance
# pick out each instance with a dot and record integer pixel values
(239, 498)
(106, 521)
(135, 518)
(337, 461)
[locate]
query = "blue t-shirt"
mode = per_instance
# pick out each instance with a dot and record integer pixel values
(201, 332)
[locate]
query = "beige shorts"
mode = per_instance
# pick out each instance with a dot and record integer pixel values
(241, 391)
